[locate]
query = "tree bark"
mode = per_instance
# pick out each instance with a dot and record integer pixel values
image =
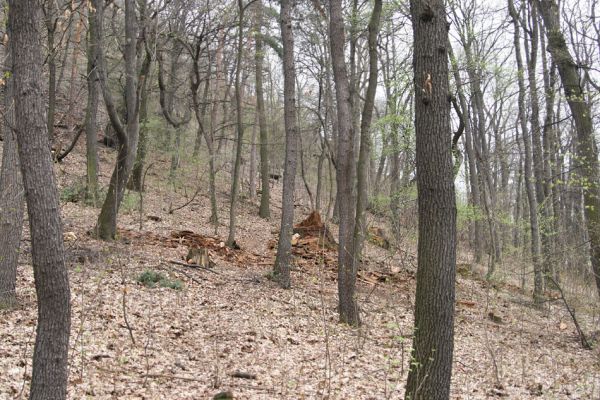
(284, 246)
(587, 152)
(91, 111)
(433, 343)
(11, 199)
(106, 226)
(50, 355)
(264, 211)
(346, 171)
(51, 25)
(531, 51)
(364, 156)
(527, 168)
(235, 185)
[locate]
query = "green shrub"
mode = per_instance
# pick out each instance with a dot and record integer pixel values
(73, 193)
(130, 202)
(76, 193)
(152, 278)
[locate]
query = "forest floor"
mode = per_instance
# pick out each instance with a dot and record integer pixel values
(232, 329)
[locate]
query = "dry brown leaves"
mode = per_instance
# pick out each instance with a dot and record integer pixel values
(222, 328)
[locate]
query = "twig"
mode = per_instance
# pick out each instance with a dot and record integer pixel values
(582, 339)
(124, 303)
(60, 157)
(194, 266)
(172, 210)
(189, 276)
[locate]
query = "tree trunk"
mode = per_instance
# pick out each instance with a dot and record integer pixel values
(106, 226)
(431, 361)
(50, 354)
(264, 211)
(475, 198)
(235, 186)
(11, 200)
(345, 166)
(303, 173)
(91, 111)
(538, 295)
(537, 150)
(360, 227)
(136, 182)
(587, 153)
(252, 172)
(284, 246)
(51, 24)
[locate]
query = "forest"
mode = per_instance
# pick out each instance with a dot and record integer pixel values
(280, 199)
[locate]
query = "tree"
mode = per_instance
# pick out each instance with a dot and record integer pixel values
(91, 111)
(284, 246)
(50, 355)
(365, 133)
(264, 211)
(431, 360)
(587, 152)
(11, 201)
(106, 227)
(235, 184)
(346, 170)
(528, 174)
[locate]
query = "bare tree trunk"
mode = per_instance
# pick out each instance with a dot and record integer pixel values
(433, 343)
(91, 111)
(538, 295)
(136, 181)
(106, 226)
(51, 25)
(303, 172)
(74, 68)
(50, 354)
(235, 186)
(531, 51)
(284, 246)
(346, 172)
(264, 211)
(360, 227)
(587, 152)
(11, 199)
(319, 189)
(252, 172)
(475, 198)
(550, 181)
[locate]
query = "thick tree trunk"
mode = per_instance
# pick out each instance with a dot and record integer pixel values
(284, 246)
(50, 355)
(587, 152)
(433, 343)
(11, 200)
(346, 170)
